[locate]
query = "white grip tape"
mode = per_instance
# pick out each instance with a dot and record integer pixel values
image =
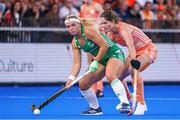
(71, 77)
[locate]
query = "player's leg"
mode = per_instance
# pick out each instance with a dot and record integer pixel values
(145, 62)
(88, 93)
(140, 86)
(116, 84)
(122, 77)
(98, 86)
(94, 87)
(126, 73)
(147, 57)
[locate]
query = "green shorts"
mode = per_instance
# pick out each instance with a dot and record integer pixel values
(119, 54)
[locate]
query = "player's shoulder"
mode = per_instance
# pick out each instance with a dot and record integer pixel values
(122, 26)
(90, 29)
(73, 43)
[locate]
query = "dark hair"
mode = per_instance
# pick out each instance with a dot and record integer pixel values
(110, 15)
(12, 8)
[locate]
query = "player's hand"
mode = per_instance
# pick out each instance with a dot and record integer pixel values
(135, 64)
(93, 66)
(68, 84)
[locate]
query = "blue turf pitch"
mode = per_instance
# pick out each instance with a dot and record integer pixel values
(15, 102)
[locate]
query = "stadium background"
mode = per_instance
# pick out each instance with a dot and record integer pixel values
(35, 50)
(35, 47)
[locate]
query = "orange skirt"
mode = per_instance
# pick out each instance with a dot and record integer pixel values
(150, 50)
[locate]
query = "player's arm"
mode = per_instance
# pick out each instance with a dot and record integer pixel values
(76, 59)
(76, 64)
(89, 22)
(126, 35)
(93, 34)
(111, 36)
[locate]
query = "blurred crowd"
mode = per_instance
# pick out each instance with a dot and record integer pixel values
(128, 10)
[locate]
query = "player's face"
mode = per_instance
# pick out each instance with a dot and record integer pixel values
(73, 28)
(107, 25)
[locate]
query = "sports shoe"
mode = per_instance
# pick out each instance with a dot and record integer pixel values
(140, 109)
(125, 108)
(130, 101)
(145, 107)
(92, 111)
(99, 94)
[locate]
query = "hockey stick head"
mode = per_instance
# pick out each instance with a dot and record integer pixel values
(132, 111)
(33, 107)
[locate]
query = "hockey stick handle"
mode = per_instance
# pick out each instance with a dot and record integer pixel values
(134, 99)
(135, 87)
(80, 77)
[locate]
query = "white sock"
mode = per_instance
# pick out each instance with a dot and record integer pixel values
(119, 90)
(91, 98)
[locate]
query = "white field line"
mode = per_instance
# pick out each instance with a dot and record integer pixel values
(105, 98)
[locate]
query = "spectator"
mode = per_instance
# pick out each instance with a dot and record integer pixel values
(51, 20)
(107, 5)
(143, 2)
(147, 15)
(134, 12)
(90, 9)
(25, 6)
(122, 10)
(67, 9)
(160, 5)
(1, 14)
(158, 11)
(131, 2)
(8, 5)
(2, 7)
(77, 4)
(51, 17)
(172, 12)
(12, 18)
(13, 15)
(178, 14)
(100, 1)
(36, 11)
(134, 15)
(49, 3)
(161, 16)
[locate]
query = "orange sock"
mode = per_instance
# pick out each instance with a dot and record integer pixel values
(98, 86)
(94, 87)
(140, 90)
(127, 89)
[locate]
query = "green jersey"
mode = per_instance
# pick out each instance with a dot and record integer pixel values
(113, 51)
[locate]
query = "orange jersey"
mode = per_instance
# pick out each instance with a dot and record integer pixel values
(89, 11)
(139, 38)
(142, 43)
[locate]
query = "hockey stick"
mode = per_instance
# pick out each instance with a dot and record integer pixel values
(54, 96)
(134, 92)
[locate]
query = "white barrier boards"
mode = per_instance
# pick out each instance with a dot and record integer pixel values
(52, 63)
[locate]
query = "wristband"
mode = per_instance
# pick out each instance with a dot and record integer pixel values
(71, 77)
